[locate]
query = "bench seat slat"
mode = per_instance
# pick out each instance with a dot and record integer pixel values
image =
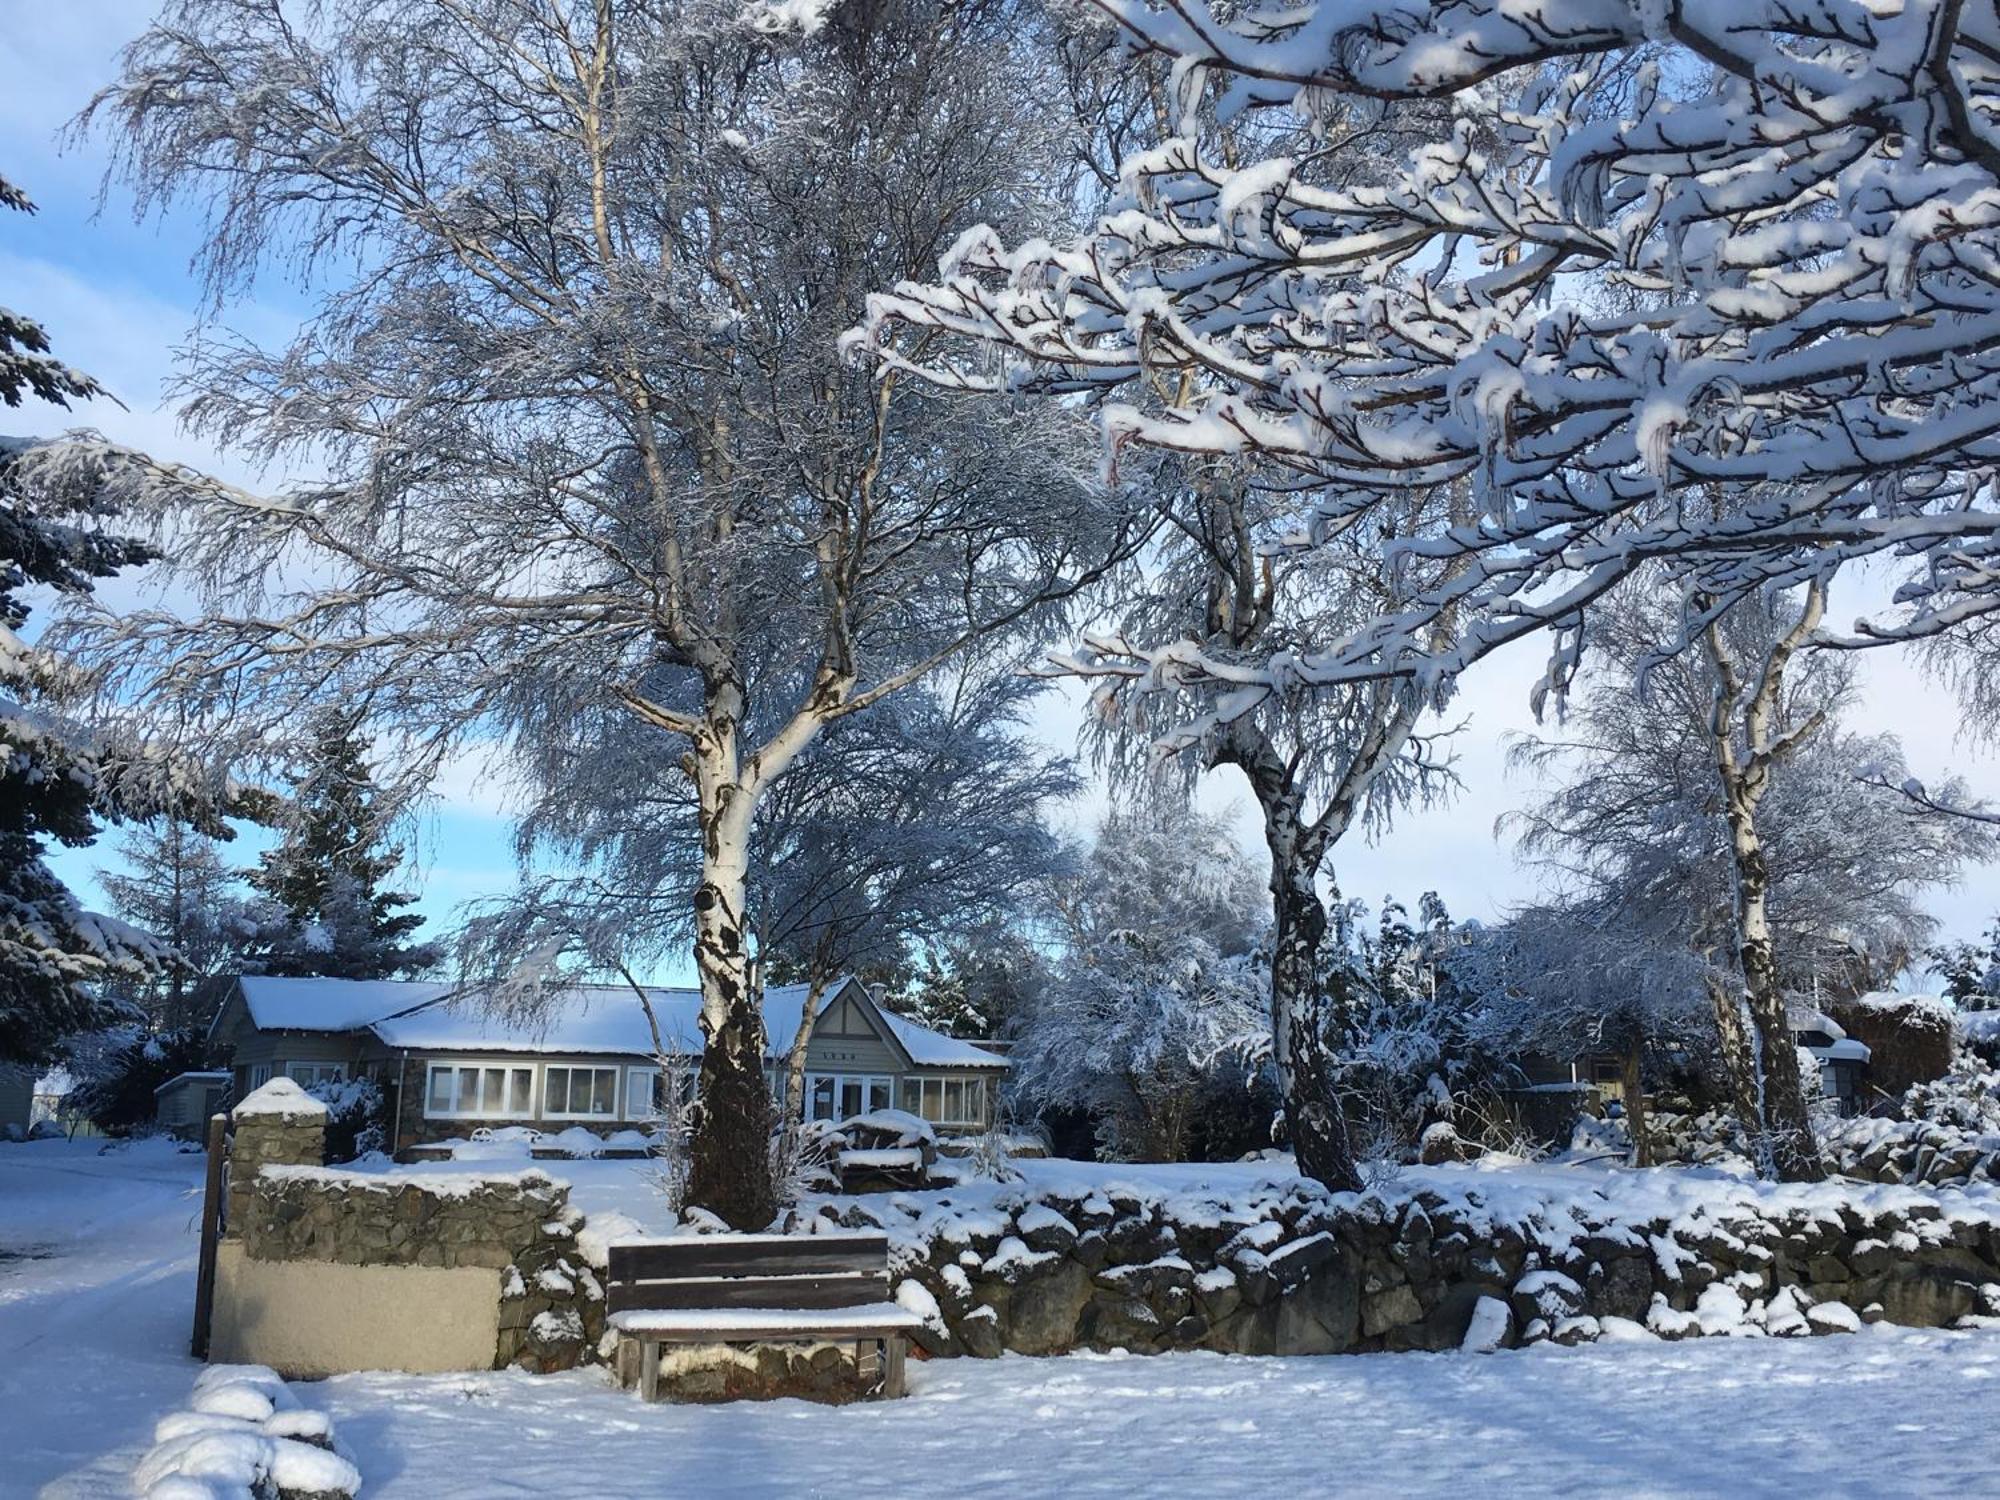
(761, 1255)
(766, 1324)
(749, 1291)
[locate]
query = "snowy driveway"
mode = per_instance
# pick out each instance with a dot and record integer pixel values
(1879, 1413)
(97, 1256)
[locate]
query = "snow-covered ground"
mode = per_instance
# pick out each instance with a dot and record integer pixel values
(97, 1259)
(93, 1341)
(1884, 1412)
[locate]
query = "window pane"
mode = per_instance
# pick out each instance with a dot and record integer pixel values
(933, 1100)
(954, 1099)
(440, 1094)
(975, 1101)
(819, 1105)
(466, 1100)
(850, 1098)
(555, 1091)
(521, 1092)
(878, 1093)
(493, 1098)
(604, 1092)
(913, 1095)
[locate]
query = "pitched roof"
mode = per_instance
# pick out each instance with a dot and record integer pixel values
(330, 1004)
(424, 1016)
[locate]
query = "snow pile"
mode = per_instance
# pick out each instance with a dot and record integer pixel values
(245, 1437)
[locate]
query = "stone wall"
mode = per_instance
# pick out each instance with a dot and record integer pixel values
(1300, 1272)
(518, 1225)
(307, 1268)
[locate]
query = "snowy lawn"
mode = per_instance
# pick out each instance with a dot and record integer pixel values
(1883, 1412)
(97, 1261)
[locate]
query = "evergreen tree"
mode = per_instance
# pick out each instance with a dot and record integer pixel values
(176, 887)
(324, 910)
(1971, 971)
(53, 953)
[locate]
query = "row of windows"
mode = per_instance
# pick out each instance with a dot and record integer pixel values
(942, 1101)
(484, 1091)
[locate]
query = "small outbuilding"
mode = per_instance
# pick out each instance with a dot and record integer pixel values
(184, 1102)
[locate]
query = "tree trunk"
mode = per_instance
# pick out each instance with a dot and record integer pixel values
(730, 1170)
(1313, 1114)
(1783, 1122)
(1635, 1104)
(795, 1059)
(1739, 1061)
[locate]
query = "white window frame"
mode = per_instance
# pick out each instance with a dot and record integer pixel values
(570, 1114)
(260, 1074)
(972, 1086)
(455, 1112)
(311, 1074)
(840, 1081)
(639, 1083)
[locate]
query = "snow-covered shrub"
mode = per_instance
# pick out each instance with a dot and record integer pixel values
(802, 1160)
(1162, 987)
(245, 1437)
(1412, 1051)
(357, 1117)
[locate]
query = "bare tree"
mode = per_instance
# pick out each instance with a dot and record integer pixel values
(587, 442)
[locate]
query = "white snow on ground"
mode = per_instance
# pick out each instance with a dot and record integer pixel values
(1884, 1412)
(93, 1352)
(97, 1258)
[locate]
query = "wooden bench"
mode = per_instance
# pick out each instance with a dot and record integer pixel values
(757, 1289)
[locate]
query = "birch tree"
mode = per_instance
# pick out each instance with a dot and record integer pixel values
(1744, 249)
(1711, 829)
(577, 267)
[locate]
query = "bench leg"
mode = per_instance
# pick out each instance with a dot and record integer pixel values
(892, 1367)
(649, 1370)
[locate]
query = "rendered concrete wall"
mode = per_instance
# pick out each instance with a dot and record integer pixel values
(313, 1318)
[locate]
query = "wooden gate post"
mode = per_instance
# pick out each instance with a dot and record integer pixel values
(211, 1231)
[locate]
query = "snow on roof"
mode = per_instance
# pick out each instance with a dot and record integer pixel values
(1844, 1050)
(331, 1004)
(1805, 1018)
(586, 1018)
(933, 1049)
(281, 1096)
(197, 1076)
(591, 1018)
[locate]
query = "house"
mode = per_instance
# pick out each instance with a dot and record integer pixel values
(449, 1066)
(184, 1102)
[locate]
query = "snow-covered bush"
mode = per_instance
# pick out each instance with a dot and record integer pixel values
(357, 1117)
(245, 1437)
(1161, 986)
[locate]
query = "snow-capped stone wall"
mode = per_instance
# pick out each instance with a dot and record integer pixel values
(1290, 1269)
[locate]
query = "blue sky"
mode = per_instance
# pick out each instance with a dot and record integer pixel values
(118, 298)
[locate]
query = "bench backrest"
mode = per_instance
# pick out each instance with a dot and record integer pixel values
(748, 1270)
